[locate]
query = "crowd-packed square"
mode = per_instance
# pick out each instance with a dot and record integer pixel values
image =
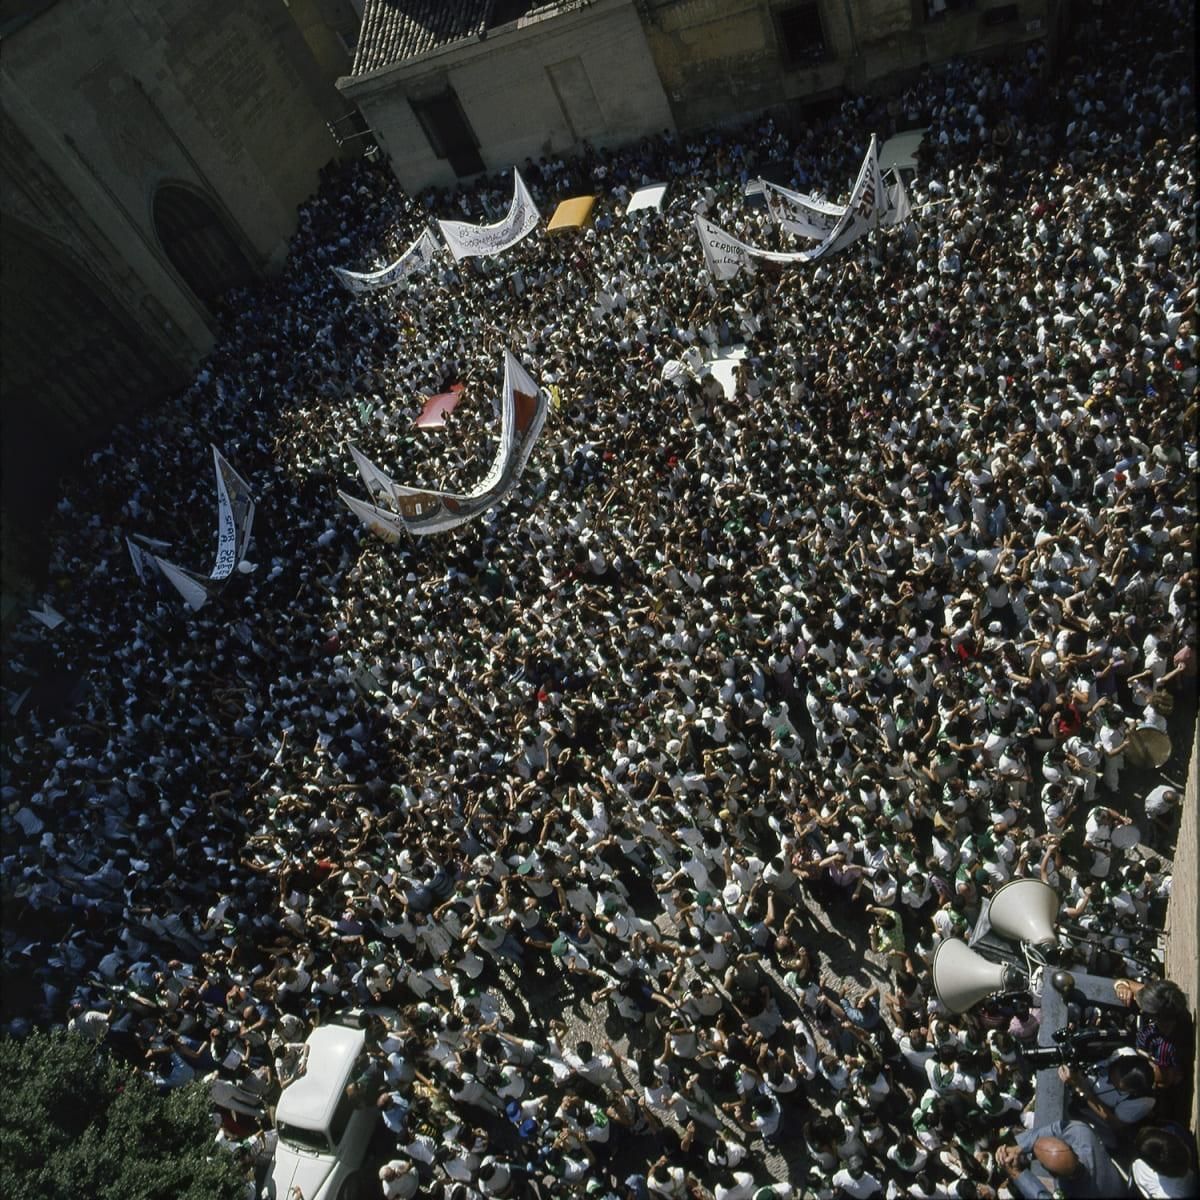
(635, 808)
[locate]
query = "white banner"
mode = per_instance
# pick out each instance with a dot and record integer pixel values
(424, 511)
(381, 523)
(47, 616)
(723, 253)
(188, 585)
(899, 209)
(143, 560)
(235, 517)
(726, 255)
(522, 415)
(650, 196)
(466, 240)
(414, 261)
(801, 215)
(378, 484)
(235, 521)
(866, 211)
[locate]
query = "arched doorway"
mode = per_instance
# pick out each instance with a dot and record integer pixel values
(72, 364)
(199, 244)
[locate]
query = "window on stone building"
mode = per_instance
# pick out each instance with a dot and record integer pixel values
(801, 34)
(504, 11)
(1001, 14)
(449, 132)
(199, 244)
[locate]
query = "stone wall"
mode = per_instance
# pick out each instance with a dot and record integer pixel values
(615, 70)
(532, 88)
(1183, 914)
(221, 96)
(717, 58)
(102, 106)
(722, 60)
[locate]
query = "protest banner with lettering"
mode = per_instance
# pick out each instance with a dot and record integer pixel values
(802, 215)
(466, 241)
(417, 259)
(424, 511)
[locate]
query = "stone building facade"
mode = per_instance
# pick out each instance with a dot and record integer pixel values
(724, 59)
(449, 92)
(1183, 914)
(153, 156)
(454, 87)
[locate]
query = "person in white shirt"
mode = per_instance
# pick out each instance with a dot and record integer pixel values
(1098, 837)
(908, 1156)
(399, 1179)
(702, 1004)
(724, 1153)
(1160, 803)
(597, 1069)
(663, 1179)
(733, 1185)
(495, 1177)
(1112, 742)
(1162, 1169)
(855, 1180)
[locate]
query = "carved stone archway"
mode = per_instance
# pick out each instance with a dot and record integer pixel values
(199, 244)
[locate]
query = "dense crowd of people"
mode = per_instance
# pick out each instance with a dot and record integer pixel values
(726, 679)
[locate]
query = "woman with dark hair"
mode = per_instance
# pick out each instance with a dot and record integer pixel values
(1163, 1168)
(1162, 1027)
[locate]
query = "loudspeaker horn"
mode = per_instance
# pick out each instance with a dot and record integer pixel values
(962, 978)
(1025, 911)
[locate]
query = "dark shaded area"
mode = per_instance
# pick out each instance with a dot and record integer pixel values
(200, 245)
(72, 364)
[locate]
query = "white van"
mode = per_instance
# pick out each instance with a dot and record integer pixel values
(323, 1136)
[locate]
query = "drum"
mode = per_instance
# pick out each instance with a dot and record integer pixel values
(1148, 747)
(1125, 837)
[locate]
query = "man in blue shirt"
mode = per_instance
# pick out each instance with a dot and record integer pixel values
(1062, 1159)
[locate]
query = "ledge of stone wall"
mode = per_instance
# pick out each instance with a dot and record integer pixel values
(1183, 913)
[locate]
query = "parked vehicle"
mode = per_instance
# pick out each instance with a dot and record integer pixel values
(323, 1134)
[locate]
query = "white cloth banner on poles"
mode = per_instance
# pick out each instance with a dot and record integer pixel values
(723, 253)
(866, 210)
(466, 240)
(380, 522)
(235, 522)
(834, 225)
(235, 518)
(899, 209)
(423, 510)
(143, 561)
(415, 260)
(187, 584)
(799, 214)
(727, 255)
(650, 196)
(378, 484)
(48, 616)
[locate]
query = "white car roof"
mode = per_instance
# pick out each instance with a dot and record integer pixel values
(309, 1101)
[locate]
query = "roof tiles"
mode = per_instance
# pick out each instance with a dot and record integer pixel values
(393, 30)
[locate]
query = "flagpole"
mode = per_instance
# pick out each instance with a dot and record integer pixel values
(878, 183)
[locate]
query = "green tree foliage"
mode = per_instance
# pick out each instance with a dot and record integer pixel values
(73, 1123)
